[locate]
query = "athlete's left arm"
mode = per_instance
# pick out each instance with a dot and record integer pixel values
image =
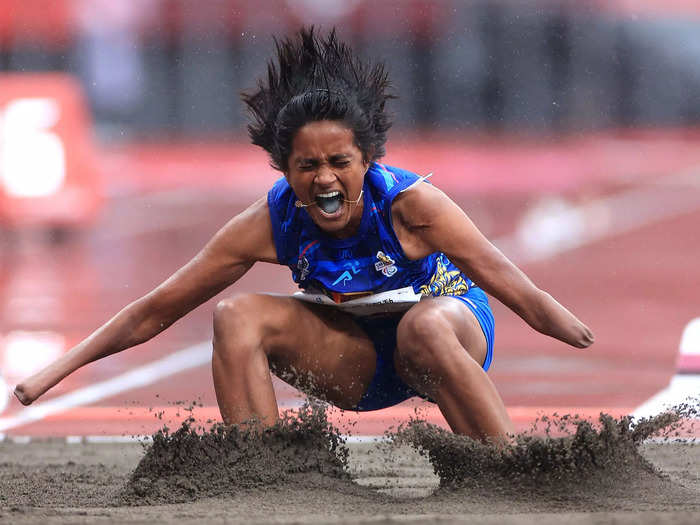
(427, 221)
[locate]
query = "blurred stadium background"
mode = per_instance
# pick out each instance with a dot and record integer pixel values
(568, 130)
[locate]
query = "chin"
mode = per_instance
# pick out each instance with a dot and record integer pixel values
(332, 226)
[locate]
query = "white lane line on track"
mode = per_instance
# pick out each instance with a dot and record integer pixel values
(79, 440)
(683, 388)
(191, 357)
(622, 212)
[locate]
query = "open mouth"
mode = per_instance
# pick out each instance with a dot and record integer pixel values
(330, 202)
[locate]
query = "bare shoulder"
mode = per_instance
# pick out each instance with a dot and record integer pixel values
(420, 204)
(415, 213)
(248, 235)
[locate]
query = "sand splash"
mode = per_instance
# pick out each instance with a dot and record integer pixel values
(193, 463)
(564, 457)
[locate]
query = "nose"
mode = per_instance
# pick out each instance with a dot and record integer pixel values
(324, 175)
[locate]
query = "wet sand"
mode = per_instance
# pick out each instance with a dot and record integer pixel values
(56, 482)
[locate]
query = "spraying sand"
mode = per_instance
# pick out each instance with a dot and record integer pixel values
(301, 471)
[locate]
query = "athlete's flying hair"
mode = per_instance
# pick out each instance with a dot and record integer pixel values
(316, 78)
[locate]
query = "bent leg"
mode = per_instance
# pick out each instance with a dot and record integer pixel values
(316, 349)
(440, 351)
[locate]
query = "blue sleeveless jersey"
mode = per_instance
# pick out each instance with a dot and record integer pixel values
(372, 260)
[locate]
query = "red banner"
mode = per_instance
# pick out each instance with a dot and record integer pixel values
(47, 169)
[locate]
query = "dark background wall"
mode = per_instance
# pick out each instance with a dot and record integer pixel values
(175, 67)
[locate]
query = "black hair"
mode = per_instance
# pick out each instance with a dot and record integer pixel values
(318, 79)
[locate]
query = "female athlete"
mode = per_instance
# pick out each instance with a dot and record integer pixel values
(391, 269)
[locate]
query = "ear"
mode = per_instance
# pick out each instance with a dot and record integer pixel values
(367, 159)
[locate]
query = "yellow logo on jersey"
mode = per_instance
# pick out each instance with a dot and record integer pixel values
(444, 281)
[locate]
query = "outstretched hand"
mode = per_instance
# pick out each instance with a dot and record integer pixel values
(22, 393)
(583, 337)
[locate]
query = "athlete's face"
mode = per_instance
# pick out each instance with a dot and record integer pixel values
(326, 170)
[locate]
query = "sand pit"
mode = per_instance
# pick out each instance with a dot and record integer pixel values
(301, 472)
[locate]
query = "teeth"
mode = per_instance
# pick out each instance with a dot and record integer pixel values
(329, 195)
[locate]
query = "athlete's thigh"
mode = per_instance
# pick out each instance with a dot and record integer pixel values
(320, 350)
(455, 316)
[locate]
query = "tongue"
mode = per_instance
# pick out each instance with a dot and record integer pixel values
(329, 205)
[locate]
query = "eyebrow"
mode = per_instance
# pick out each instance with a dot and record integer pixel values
(332, 158)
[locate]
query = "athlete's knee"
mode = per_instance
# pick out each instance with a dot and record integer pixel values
(420, 336)
(238, 325)
(235, 312)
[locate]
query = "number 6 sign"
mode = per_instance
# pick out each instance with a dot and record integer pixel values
(47, 175)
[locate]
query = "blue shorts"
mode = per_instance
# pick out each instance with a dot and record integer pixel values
(387, 388)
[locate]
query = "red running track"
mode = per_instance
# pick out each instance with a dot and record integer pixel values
(636, 288)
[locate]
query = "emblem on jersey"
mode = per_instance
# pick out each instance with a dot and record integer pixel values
(303, 267)
(385, 264)
(346, 276)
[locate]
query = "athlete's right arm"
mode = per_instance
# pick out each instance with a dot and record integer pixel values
(244, 240)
